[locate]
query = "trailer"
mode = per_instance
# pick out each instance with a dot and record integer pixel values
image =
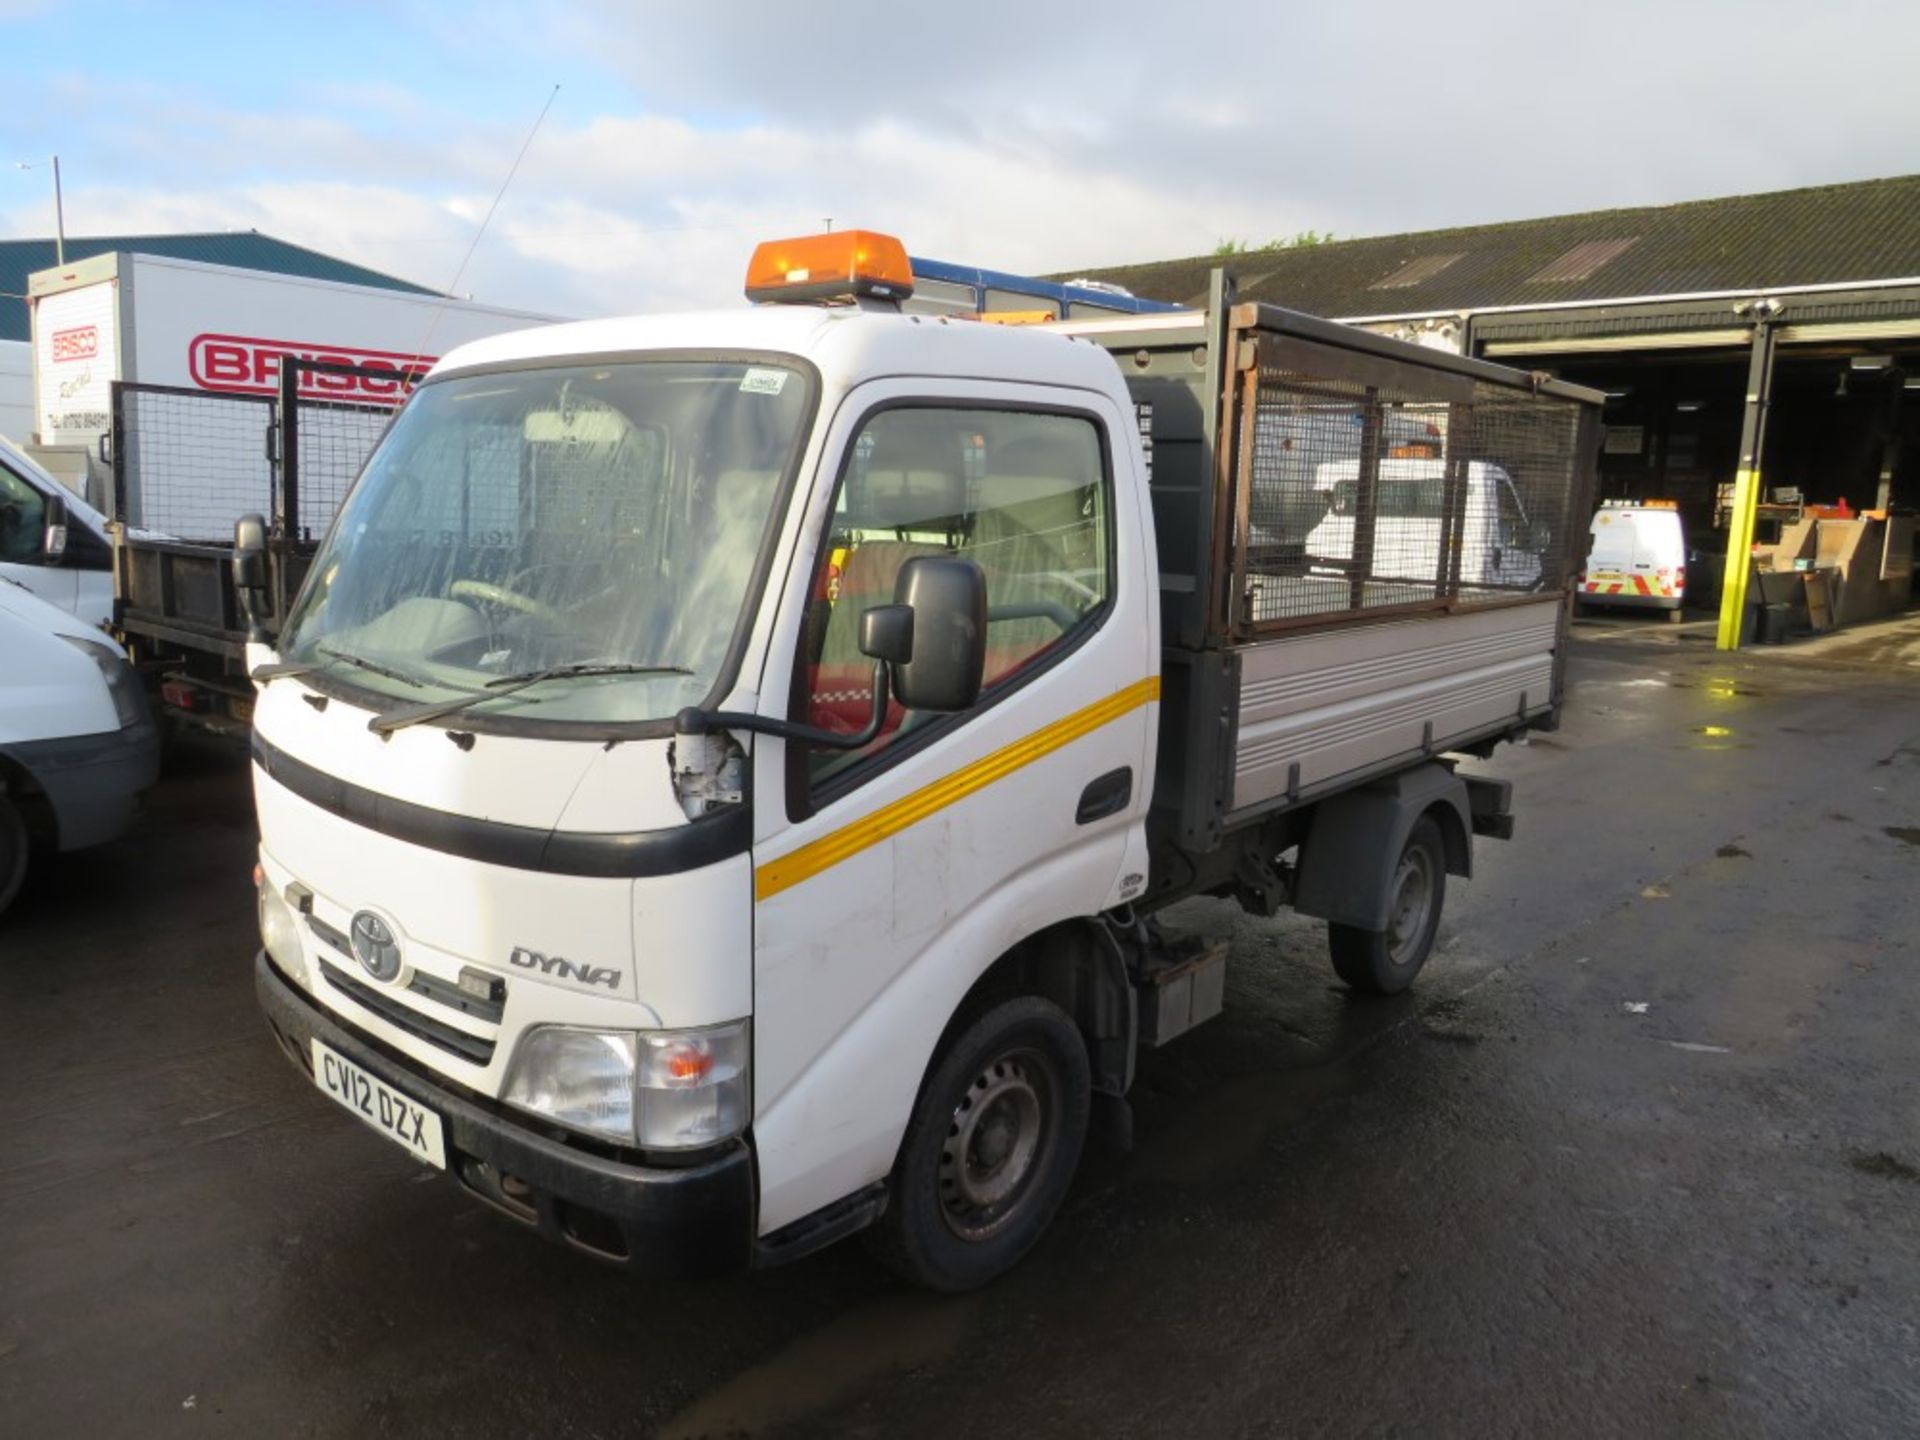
(717, 778)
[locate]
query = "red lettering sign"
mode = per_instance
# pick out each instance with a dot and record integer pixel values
(249, 365)
(82, 342)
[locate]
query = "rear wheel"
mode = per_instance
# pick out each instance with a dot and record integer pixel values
(990, 1150)
(1384, 962)
(13, 850)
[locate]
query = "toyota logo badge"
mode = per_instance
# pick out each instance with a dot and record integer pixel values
(375, 946)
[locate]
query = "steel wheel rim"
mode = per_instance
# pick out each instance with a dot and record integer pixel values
(997, 1139)
(1411, 904)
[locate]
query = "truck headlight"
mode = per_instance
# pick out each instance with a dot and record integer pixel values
(582, 1079)
(280, 933)
(123, 681)
(654, 1089)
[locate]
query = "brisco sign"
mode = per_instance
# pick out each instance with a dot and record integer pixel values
(249, 365)
(82, 342)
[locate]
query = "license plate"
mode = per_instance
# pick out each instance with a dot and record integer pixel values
(1607, 577)
(403, 1120)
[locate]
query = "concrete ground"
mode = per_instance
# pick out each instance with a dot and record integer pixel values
(1639, 1156)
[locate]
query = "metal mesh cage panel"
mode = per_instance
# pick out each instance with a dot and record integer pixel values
(1364, 497)
(189, 463)
(334, 442)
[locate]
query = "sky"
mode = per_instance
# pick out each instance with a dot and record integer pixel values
(1013, 134)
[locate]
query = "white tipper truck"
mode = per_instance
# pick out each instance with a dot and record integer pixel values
(716, 780)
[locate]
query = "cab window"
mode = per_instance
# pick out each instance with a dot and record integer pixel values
(1026, 495)
(23, 512)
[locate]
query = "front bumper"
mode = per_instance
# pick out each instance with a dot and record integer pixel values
(697, 1220)
(93, 781)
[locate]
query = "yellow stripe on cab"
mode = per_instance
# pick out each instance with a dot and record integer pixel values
(889, 820)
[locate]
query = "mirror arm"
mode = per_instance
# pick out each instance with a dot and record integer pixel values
(695, 721)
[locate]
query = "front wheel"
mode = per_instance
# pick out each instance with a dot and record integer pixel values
(990, 1149)
(1384, 962)
(13, 850)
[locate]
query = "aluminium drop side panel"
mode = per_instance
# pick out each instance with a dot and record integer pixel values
(1318, 708)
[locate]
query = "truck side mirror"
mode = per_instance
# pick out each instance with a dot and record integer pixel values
(250, 571)
(886, 633)
(53, 543)
(947, 599)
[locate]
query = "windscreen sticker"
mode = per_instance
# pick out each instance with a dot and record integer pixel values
(763, 382)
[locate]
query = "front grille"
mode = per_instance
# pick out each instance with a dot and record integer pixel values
(398, 1013)
(428, 987)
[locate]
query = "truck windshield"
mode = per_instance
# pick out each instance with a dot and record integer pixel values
(600, 522)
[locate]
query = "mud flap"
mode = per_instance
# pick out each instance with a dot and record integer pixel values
(1348, 858)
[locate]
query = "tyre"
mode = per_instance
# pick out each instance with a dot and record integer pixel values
(1384, 962)
(13, 851)
(990, 1149)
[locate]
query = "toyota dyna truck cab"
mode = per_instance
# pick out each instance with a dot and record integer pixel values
(716, 780)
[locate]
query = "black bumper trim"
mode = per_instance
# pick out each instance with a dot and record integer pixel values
(693, 1221)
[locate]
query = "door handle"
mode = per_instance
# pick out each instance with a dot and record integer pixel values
(1106, 796)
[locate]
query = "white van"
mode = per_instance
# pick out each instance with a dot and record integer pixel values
(1637, 558)
(77, 743)
(53, 542)
(1498, 546)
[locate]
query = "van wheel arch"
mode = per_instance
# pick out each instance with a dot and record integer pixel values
(26, 823)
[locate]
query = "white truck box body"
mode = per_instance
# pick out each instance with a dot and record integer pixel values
(160, 321)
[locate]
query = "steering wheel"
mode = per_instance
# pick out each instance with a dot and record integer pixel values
(507, 599)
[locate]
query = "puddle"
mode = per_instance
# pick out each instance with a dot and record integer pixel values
(1885, 1166)
(1450, 1037)
(1905, 834)
(1713, 732)
(1733, 690)
(1733, 852)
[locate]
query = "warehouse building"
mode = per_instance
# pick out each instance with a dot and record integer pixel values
(1773, 335)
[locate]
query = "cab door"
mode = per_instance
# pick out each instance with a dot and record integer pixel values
(23, 528)
(888, 878)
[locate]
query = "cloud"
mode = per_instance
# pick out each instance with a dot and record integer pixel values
(1009, 134)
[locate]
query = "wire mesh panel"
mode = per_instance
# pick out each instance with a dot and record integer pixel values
(188, 463)
(1371, 484)
(333, 442)
(332, 415)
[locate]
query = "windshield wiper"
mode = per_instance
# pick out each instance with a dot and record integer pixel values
(283, 668)
(507, 685)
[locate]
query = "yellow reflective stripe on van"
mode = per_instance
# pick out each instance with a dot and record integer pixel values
(889, 820)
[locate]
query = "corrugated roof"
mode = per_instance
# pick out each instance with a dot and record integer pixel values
(247, 249)
(1869, 230)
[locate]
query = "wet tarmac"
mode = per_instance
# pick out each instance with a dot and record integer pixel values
(1639, 1156)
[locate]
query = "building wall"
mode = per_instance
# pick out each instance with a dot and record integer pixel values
(16, 390)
